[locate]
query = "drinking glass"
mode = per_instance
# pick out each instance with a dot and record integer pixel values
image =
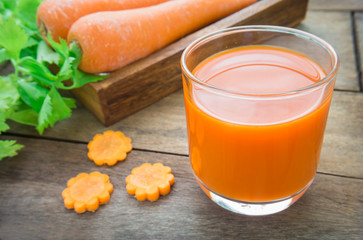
(255, 131)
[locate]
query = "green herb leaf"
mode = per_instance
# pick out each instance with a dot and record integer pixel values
(4, 55)
(46, 55)
(2, 7)
(61, 48)
(31, 42)
(9, 148)
(80, 78)
(70, 102)
(3, 125)
(66, 70)
(6, 9)
(26, 116)
(26, 11)
(30, 48)
(8, 94)
(32, 94)
(68, 64)
(38, 71)
(54, 109)
(61, 110)
(12, 37)
(29, 95)
(9, 4)
(75, 52)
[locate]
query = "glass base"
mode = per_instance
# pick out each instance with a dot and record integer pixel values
(253, 208)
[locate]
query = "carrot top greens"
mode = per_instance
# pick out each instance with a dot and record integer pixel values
(30, 94)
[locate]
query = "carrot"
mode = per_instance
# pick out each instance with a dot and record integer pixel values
(149, 181)
(57, 16)
(109, 148)
(111, 40)
(86, 192)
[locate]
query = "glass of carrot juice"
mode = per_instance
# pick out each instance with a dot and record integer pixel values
(257, 100)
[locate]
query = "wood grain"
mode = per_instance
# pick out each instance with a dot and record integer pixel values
(359, 37)
(6, 68)
(342, 151)
(161, 127)
(346, 5)
(31, 205)
(141, 83)
(322, 23)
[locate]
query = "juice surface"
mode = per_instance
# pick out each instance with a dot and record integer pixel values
(256, 148)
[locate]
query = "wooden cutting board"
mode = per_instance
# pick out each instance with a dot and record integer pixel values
(146, 81)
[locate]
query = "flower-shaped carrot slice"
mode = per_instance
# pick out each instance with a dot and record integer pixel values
(87, 191)
(149, 181)
(109, 148)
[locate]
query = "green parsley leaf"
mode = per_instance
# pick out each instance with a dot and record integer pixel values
(61, 48)
(8, 94)
(4, 55)
(81, 78)
(71, 103)
(31, 42)
(66, 70)
(30, 48)
(45, 116)
(2, 7)
(32, 94)
(54, 109)
(60, 107)
(9, 4)
(25, 116)
(6, 9)
(9, 148)
(46, 55)
(38, 71)
(18, 39)
(26, 12)
(3, 125)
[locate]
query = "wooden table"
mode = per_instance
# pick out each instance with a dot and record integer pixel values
(31, 206)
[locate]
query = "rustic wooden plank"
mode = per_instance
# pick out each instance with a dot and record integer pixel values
(359, 37)
(2, 65)
(161, 127)
(335, 28)
(6, 68)
(342, 151)
(346, 5)
(31, 205)
(141, 83)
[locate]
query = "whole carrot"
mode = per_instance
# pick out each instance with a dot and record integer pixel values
(111, 40)
(57, 16)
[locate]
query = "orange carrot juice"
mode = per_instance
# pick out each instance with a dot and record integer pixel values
(259, 148)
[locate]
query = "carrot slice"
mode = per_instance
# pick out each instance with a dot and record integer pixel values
(149, 181)
(86, 192)
(109, 148)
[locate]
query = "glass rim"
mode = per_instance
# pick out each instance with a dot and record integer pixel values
(264, 28)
